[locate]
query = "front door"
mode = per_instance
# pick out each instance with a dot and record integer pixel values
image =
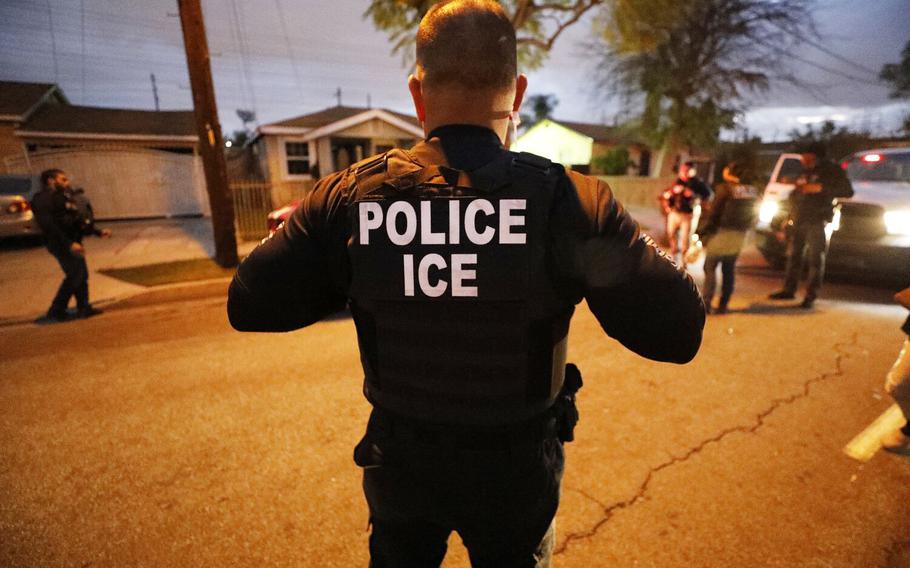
(347, 151)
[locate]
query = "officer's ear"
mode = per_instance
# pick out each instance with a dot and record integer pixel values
(416, 88)
(521, 85)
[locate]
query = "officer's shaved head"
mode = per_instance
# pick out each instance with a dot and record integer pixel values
(468, 44)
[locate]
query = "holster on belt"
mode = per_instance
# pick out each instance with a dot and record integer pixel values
(564, 408)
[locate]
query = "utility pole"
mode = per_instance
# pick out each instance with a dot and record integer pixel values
(209, 130)
(155, 91)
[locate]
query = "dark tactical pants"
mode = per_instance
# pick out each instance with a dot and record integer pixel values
(501, 501)
(727, 269)
(808, 240)
(75, 281)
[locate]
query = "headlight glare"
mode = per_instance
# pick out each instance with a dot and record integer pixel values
(897, 222)
(768, 210)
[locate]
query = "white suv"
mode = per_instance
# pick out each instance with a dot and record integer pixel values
(870, 232)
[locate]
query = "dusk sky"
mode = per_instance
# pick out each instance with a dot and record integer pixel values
(283, 58)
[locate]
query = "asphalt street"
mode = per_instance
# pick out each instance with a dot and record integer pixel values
(157, 436)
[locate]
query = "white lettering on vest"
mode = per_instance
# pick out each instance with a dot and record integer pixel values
(470, 222)
(454, 225)
(370, 218)
(460, 274)
(423, 275)
(507, 220)
(409, 275)
(427, 236)
(391, 225)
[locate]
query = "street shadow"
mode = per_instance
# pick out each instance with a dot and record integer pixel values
(764, 308)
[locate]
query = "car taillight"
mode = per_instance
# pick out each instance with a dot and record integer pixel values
(18, 207)
(872, 158)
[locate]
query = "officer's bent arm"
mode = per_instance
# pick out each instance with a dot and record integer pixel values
(292, 279)
(637, 294)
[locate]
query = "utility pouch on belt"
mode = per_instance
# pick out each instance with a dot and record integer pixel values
(565, 409)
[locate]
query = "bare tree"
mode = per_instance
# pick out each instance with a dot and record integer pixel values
(538, 23)
(689, 67)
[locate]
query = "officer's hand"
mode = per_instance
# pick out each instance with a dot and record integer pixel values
(105, 233)
(77, 248)
(812, 188)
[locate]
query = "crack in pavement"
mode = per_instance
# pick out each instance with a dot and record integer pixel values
(609, 511)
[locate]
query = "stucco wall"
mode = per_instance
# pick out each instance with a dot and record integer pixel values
(636, 190)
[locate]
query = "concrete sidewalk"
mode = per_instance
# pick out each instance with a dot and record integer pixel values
(30, 275)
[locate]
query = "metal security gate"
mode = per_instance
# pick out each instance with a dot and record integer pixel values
(252, 203)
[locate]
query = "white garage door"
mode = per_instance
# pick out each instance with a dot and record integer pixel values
(130, 183)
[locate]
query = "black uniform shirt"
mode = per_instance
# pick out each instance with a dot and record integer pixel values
(302, 273)
(817, 207)
(57, 217)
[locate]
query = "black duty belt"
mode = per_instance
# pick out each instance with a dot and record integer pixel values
(408, 431)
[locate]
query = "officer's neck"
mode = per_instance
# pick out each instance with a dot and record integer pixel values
(488, 109)
(499, 126)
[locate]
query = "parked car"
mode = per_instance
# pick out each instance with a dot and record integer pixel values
(870, 232)
(16, 217)
(279, 216)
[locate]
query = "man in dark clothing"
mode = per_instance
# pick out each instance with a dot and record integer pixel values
(64, 225)
(461, 263)
(678, 204)
(811, 209)
(723, 230)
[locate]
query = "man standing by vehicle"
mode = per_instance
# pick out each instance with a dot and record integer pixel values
(63, 225)
(678, 205)
(461, 263)
(811, 209)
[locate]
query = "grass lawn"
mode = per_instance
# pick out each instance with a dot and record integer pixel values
(169, 272)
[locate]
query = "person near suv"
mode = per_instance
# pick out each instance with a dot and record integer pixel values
(678, 204)
(723, 231)
(64, 224)
(811, 208)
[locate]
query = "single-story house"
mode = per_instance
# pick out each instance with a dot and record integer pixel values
(18, 102)
(291, 154)
(131, 163)
(579, 145)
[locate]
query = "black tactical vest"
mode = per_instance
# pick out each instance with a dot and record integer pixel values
(452, 290)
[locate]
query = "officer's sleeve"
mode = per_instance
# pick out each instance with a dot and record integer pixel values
(292, 279)
(637, 294)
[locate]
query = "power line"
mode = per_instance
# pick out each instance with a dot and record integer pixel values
(244, 52)
(82, 44)
(840, 57)
(287, 43)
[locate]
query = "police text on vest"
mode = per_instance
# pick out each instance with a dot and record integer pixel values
(404, 225)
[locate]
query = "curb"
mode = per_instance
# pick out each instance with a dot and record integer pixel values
(166, 293)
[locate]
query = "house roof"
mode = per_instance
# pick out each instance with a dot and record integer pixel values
(17, 98)
(334, 114)
(110, 122)
(599, 132)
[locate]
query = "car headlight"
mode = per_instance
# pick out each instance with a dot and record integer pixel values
(767, 211)
(897, 222)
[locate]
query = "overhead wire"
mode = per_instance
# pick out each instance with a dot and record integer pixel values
(50, 22)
